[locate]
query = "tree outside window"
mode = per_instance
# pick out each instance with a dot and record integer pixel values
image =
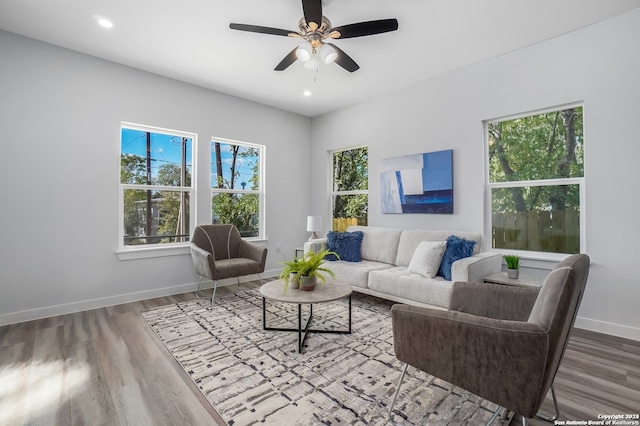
(350, 195)
(155, 180)
(536, 181)
(236, 186)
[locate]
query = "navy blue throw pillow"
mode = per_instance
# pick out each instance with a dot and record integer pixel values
(457, 248)
(345, 244)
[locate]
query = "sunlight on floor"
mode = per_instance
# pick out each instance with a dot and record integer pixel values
(49, 384)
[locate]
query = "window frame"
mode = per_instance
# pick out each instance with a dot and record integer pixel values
(126, 252)
(261, 184)
(333, 193)
(489, 186)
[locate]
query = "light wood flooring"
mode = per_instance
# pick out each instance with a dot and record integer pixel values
(106, 367)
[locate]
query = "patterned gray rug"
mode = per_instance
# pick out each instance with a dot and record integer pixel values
(252, 376)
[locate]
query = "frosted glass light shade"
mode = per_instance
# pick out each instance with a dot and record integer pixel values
(328, 53)
(304, 51)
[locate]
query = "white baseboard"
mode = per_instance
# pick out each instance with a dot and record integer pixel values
(85, 305)
(604, 327)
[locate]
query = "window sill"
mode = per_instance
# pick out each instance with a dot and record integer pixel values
(151, 252)
(174, 250)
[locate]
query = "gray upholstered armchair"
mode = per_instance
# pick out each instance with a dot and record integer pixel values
(502, 343)
(219, 252)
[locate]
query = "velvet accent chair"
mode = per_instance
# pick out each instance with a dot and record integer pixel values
(502, 343)
(219, 252)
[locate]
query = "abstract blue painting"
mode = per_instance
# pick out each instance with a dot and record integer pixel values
(419, 183)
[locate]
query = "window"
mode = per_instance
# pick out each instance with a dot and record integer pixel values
(536, 181)
(155, 186)
(237, 188)
(350, 195)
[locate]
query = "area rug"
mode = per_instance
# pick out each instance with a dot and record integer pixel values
(257, 377)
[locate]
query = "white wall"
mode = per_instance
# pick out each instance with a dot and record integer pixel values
(600, 66)
(60, 115)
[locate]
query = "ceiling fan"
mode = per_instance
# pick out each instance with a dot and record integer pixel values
(314, 28)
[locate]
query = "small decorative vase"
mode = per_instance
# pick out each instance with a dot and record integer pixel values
(307, 283)
(513, 273)
(293, 282)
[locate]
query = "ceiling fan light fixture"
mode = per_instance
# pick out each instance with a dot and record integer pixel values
(304, 51)
(328, 53)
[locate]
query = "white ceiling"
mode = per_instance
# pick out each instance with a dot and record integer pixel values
(190, 40)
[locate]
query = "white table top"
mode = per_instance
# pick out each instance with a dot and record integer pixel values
(331, 290)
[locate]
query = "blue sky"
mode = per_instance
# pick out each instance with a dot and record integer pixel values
(166, 149)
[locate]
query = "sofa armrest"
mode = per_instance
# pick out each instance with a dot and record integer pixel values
(313, 246)
(476, 267)
(493, 300)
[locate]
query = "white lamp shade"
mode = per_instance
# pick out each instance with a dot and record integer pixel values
(314, 223)
(328, 53)
(304, 51)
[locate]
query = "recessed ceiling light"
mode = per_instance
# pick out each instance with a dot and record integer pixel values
(307, 93)
(105, 23)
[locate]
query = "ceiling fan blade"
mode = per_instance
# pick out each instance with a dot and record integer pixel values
(312, 10)
(344, 60)
(361, 29)
(263, 30)
(287, 61)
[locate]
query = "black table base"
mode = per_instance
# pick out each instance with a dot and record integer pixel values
(302, 331)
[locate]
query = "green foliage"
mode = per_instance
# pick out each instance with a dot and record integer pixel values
(133, 171)
(539, 147)
(308, 265)
(238, 208)
(512, 261)
(351, 173)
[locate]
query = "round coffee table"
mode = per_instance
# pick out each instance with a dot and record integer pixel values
(330, 291)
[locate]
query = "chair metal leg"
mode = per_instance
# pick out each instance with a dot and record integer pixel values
(524, 421)
(202, 296)
(555, 405)
(213, 295)
(395, 395)
(494, 416)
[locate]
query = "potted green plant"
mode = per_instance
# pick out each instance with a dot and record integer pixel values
(513, 265)
(306, 270)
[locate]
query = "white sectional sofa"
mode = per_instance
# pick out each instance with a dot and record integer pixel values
(384, 269)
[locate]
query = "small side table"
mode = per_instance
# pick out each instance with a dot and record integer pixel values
(522, 281)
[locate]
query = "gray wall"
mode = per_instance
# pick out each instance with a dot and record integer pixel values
(600, 66)
(60, 114)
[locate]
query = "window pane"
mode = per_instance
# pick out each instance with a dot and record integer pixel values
(235, 166)
(155, 217)
(350, 210)
(238, 209)
(537, 218)
(544, 146)
(148, 158)
(351, 170)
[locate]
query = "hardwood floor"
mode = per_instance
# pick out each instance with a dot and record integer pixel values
(106, 367)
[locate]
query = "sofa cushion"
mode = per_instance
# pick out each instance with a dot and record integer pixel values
(427, 257)
(355, 273)
(378, 244)
(345, 244)
(398, 281)
(410, 239)
(457, 248)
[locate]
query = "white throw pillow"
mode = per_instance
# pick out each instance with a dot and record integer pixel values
(427, 257)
